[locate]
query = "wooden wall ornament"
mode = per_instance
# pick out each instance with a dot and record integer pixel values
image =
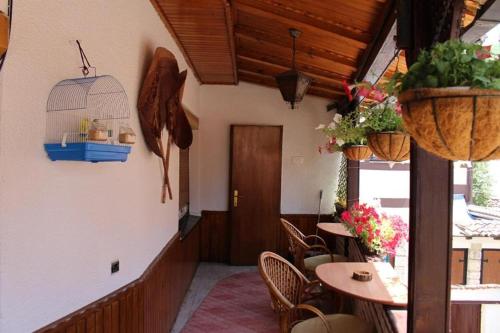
(159, 106)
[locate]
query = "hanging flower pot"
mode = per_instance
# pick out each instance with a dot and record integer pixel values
(357, 152)
(390, 146)
(456, 123)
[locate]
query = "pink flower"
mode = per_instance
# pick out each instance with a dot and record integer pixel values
(484, 53)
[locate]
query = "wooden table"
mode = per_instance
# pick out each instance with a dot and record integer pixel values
(385, 287)
(337, 229)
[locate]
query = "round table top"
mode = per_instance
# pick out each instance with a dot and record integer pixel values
(384, 288)
(337, 229)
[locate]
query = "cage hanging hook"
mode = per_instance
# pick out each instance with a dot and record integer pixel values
(85, 62)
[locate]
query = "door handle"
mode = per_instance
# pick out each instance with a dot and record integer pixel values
(235, 198)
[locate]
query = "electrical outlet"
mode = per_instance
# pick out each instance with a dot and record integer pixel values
(115, 266)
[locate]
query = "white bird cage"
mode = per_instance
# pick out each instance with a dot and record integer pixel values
(86, 110)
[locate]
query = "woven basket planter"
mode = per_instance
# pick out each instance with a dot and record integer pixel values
(456, 123)
(390, 146)
(357, 153)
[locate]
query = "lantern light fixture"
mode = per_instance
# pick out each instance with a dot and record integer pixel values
(293, 84)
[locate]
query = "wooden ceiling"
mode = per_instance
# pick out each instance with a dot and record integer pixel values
(248, 40)
(227, 41)
(203, 32)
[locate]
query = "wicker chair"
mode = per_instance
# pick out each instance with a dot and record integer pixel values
(300, 248)
(287, 285)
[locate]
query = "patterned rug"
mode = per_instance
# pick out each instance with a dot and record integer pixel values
(237, 304)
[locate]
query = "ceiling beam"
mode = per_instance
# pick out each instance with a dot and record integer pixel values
(230, 35)
(358, 36)
(252, 8)
(303, 46)
(386, 24)
(263, 67)
(271, 82)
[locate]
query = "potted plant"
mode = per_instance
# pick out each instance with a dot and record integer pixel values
(451, 101)
(386, 136)
(346, 134)
(379, 233)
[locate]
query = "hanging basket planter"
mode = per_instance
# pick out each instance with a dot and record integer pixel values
(357, 153)
(390, 146)
(457, 123)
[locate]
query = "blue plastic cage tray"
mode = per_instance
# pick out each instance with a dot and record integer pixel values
(86, 151)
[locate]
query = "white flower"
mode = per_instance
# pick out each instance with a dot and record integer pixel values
(362, 120)
(340, 142)
(332, 125)
(337, 118)
(320, 127)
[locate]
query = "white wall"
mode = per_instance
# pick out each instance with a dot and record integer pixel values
(247, 103)
(62, 223)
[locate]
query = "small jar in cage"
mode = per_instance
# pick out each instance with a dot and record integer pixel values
(83, 120)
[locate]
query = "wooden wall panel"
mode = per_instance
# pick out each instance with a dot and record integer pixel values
(148, 304)
(215, 233)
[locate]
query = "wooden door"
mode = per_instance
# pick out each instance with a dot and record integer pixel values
(458, 266)
(255, 191)
(490, 270)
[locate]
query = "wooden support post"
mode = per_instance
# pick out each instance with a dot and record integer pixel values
(431, 185)
(431, 191)
(352, 182)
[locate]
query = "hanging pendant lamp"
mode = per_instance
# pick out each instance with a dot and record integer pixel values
(292, 83)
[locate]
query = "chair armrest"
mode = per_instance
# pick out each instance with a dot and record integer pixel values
(315, 237)
(317, 312)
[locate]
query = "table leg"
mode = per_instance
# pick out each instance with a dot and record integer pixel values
(346, 247)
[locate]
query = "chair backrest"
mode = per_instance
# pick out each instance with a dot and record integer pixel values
(284, 281)
(295, 237)
(297, 245)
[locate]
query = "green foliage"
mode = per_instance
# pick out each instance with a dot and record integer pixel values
(348, 131)
(383, 118)
(481, 184)
(450, 64)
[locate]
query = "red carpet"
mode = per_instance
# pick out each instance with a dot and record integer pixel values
(237, 304)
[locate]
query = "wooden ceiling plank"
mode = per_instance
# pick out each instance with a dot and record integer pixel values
(203, 32)
(306, 28)
(282, 56)
(256, 65)
(362, 38)
(171, 30)
(303, 46)
(314, 87)
(386, 22)
(270, 82)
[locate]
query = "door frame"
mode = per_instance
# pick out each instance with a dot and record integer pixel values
(230, 193)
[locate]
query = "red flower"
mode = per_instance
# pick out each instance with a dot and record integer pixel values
(347, 90)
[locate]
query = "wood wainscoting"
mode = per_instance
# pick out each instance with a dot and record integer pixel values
(149, 304)
(214, 236)
(215, 233)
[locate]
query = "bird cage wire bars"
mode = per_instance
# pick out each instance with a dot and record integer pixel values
(74, 104)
